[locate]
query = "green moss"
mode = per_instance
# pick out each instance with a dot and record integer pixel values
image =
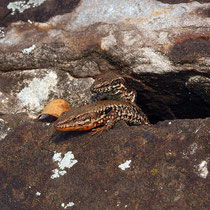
(154, 171)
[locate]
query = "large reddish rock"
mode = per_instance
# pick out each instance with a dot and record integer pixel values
(149, 167)
(164, 45)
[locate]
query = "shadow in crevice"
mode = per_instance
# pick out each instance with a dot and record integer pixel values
(166, 97)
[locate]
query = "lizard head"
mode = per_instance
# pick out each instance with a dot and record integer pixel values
(74, 120)
(107, 82)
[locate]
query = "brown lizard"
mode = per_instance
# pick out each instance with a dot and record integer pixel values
(112, 85)
(101, 113)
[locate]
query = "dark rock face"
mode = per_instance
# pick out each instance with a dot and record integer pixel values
(33, 11)
(162, 166)
(78, 45)
(190, 48)
(55, 49)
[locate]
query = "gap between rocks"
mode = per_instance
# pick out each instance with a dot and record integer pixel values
(172, 95)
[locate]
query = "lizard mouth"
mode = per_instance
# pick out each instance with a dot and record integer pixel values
(72, 128)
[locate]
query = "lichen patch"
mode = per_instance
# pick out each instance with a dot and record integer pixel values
(125, 165)
(70, 204)
(66, 162)
(4, 129)
(202, 169)
(21, 6)
(37, 91)
(160, 62)
(28, 50)
(38, 194)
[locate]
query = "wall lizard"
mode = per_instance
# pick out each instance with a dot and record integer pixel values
(100, 116)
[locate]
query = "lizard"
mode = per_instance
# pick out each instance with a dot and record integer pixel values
(113, 86)
(100, 116)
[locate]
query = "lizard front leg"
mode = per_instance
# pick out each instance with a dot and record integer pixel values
(109, 124)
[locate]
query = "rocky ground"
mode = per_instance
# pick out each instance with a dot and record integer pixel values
(157, 167)
(161, 47)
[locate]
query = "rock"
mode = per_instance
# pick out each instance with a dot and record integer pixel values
(30, 91)
(200, 86)
(9, 122)
(4, 129)
(152, 167)
(161, 46)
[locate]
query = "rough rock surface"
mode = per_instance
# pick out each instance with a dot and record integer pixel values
(162, 46)
(29, 91)
(136, 167)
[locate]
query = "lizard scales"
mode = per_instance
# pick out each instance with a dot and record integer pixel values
(113, 86)
(101, 113)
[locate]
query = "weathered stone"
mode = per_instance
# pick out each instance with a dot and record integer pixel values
(161, 45)
(29, 91)
(151, 167)
(4, 129)
(162, 49)
(9, 122)
(200, 86)
(12, 11)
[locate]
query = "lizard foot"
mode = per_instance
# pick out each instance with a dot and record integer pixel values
(98, 131)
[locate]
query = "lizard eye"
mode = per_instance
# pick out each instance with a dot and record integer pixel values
(80, 122)
(116, 82)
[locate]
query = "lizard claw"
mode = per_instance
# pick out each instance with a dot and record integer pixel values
(97, 131)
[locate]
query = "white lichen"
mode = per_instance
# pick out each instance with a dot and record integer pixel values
(55, 174)
(159, 62)
(129, 39)
(4, 129)
(125, 165)
(196, 131)
(66, 162)
(38, 193)
(70, 204)
(27, 51)
(192, 148)
(29, 21)
(21, 6)
(32, 96)
(2, 34)
(118, 203)
(202, 169)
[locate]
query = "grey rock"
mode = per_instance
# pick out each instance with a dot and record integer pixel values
(161, 47)
(201, 86)
(4, 129)
(30, 91)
